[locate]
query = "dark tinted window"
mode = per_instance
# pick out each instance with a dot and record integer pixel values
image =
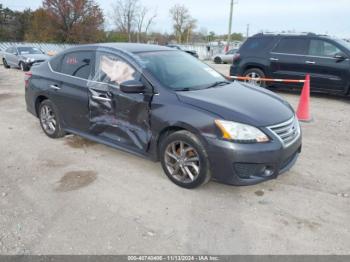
(255, 44)
(322, 48)
(77, 64)
(291, 46)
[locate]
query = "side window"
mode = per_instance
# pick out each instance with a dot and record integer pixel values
(322, 48)
(255, 44)
(11, 50)
(291, 46)
(55, 63)
(77, 64)
(111, 69)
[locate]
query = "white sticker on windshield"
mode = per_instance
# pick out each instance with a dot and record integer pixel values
(212, 72)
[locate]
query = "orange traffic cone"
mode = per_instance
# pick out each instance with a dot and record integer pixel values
(303, 112)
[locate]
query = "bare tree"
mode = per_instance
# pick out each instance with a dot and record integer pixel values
(144, 21)
(125, 15)
(182, 21)
(192, 24)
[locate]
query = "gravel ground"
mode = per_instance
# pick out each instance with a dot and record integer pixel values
(72, 196)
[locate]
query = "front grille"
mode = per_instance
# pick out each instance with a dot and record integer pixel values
(287, 131)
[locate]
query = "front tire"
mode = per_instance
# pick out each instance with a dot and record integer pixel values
(49, 120)
(255, 73)
(23, 66)
(217, 60)
(184, 160)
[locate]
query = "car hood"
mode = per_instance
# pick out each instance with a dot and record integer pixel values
(242, 103)
(36, 56)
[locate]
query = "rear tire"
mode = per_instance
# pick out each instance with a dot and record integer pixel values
(184, 160)
(49, 120)
(5, 63)
(255, 73)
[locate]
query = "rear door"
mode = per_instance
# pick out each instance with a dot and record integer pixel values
(119, 118)
(287, 59)
(69, 90)
(327, 73)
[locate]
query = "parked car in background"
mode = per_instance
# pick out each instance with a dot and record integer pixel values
(191, 52)
(165, 105)
(292, 57)
(23, 57)
(226, 58)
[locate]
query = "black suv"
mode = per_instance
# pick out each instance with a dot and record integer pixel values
(289, 56)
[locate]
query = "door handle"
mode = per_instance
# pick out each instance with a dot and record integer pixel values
(310, 62)
(102, 98)
(54, 87)
(274, 59)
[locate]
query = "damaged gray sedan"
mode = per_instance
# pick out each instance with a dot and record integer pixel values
(167, 106)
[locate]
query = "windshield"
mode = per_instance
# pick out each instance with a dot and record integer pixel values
(344, 43)
(29, 50)
(178, 70)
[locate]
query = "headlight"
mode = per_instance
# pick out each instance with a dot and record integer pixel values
(28, 60)
(240, 132)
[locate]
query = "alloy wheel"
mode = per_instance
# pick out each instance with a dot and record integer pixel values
(254, 75)
(48, 119)
(182, 161)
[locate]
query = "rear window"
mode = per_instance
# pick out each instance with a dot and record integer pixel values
(291, 46)
(55, 63)
(256, 44)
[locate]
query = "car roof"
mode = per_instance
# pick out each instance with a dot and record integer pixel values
(128, 47)
(279, 35)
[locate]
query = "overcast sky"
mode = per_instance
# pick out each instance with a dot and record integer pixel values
(319, 16)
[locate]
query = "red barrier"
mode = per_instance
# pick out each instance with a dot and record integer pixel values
(303, 111)
(245, 78)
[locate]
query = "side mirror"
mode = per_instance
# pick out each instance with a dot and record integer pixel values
(132, 87)
(340, 56)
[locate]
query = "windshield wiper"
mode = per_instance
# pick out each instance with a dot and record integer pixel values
(186, 89)
(219, 83)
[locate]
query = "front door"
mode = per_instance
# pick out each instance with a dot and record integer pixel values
(327, 72)
(117, 117)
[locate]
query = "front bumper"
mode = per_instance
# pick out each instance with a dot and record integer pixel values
(249, 164)
(30, 64)
(235, 70)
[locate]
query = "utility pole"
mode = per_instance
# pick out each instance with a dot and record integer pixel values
(247, 30)
(229, 26)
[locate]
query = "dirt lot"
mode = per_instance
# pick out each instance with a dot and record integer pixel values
(72, 196)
